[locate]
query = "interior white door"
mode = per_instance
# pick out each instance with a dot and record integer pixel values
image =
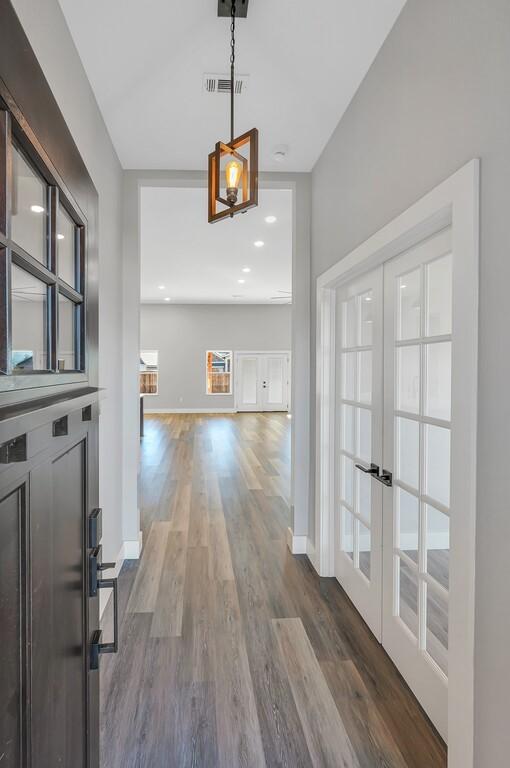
(248, 386)
(418, 440)
(262, 381)
(274, 382)
(358, 507)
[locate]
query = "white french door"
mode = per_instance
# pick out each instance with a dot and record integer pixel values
(418, 440)
(394, 447)
(262, 381)
(358, 518)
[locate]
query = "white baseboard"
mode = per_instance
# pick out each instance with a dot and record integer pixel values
(296, 544)
(190, 410)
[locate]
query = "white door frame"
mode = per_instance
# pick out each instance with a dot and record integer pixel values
(240, 352)
(455, 203)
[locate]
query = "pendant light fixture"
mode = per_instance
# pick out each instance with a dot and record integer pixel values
(233, 167)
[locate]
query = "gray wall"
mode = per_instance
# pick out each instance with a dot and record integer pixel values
(437, 95)
(51, 40)
(182, 334)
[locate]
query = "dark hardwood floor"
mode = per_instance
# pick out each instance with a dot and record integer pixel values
(233, 652)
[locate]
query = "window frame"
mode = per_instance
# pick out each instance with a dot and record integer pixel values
(231, 372)
(13, 134)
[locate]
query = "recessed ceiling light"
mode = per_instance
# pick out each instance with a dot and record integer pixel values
(37, 209)
(258, 243)
(241, 280)
(270, 219)
(60, 236)
(167, 298)
(403, 286)
(246, 269)
(368, 298)
(161, 287)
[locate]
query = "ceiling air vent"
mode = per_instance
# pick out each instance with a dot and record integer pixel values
(221, 84)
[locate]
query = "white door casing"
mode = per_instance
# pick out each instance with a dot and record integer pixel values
(455, 204)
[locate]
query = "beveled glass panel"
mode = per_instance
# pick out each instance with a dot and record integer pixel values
(407, 434)
(437, 629)
(364, 496)
(438, 317)
(29, 214)
(66, 334)
(349, 336)
(437, 463)
(408, 301)
(365, 377)
(347, 536)
(438, 389)
(66, 247)
(29, 322)
(347, 469)
(348, 364)
(408, 379)
(347, 428)
(366, 319)
(365, 549)
(409, 523)
(438, 546)
(408, 596)
(364, 434)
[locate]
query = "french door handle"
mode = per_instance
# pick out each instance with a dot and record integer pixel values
(373, 469)
(386, 478)
(96, 646)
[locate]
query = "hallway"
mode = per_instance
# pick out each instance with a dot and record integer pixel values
(232, 651)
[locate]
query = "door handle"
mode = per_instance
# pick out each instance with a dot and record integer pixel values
(373, 469)
(386, 478)
(96, 646)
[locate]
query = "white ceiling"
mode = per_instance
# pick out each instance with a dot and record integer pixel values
(146, 61)
(198, 262)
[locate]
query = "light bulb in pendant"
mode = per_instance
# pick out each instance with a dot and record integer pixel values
(233, 172)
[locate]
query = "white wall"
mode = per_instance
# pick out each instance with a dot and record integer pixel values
(182, 334)
(50, 38)
(437, 96)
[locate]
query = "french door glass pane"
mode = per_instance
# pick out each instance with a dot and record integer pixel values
(408, 383)
(29, 322)
(347, 470)
(365, 377)
(364, 433)
(364, 496)
(367, 319)
(347, 539)
(349, 323)
(407, 433)
(409, 523)
(364, 550)
(438, 380)
(438, 317)
(408, 299)
(438, 546)
(347, 428)
(408, 596)
(437, 629)
(66, 247)
(29, 205)
(437, 463)
(348, 375)
(66, 334)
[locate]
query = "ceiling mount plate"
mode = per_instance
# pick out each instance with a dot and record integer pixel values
(225, 8)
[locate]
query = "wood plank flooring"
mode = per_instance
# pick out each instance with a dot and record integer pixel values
(233, 653)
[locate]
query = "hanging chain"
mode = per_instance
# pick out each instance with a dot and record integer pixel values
(232, 64)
